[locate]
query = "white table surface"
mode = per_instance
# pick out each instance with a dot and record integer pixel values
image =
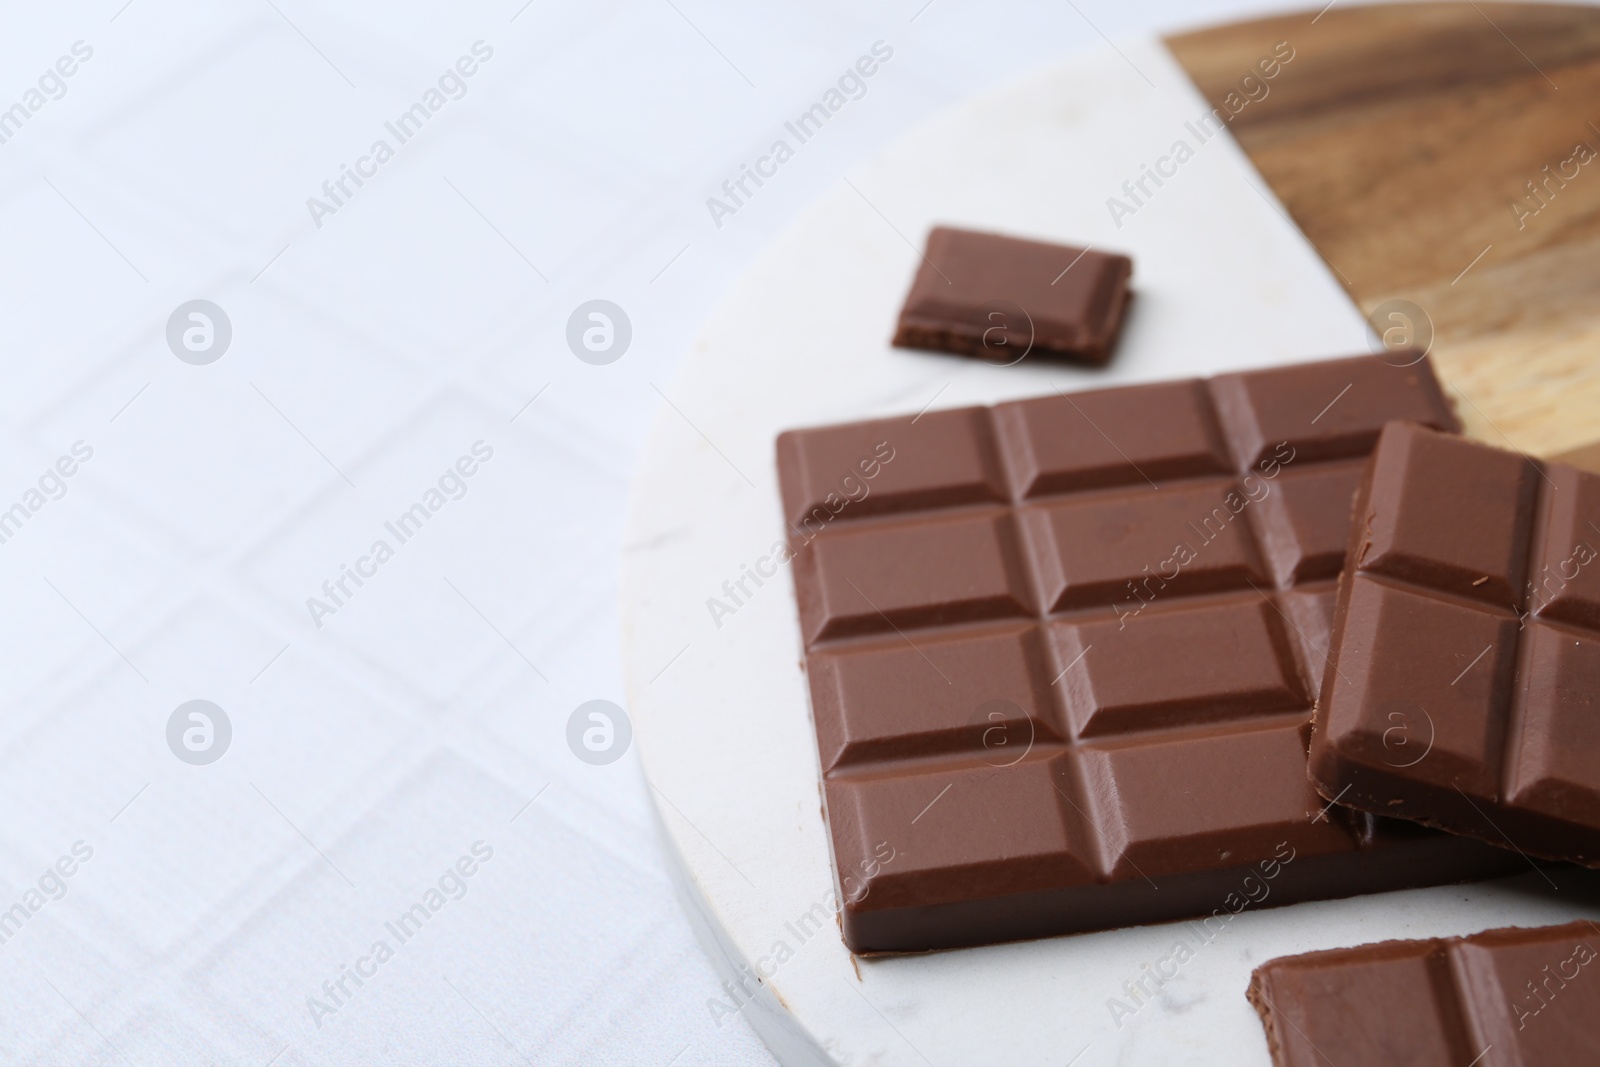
(368, 353)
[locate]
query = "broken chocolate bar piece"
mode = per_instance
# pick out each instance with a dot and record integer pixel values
(1465, 683)
(1062, 653)
(1002, 298)
(1503, 998)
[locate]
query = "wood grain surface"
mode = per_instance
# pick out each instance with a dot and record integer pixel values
(1448, 155)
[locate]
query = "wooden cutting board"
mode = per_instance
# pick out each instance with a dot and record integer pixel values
(1447, 154)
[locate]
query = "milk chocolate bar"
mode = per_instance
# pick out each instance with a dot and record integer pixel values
(1502, 998)
(1001, 298)
(1465, 687)
(1062, 653)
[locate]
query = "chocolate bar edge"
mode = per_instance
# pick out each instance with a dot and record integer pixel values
(1306, 879)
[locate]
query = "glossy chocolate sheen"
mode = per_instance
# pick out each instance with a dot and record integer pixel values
(1062, 653)
(1502, 998)
(1001, 298)
(1466, 688)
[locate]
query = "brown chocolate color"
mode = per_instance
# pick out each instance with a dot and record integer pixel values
(1503, 998)
(1000, 298)
(1031, 718)
(1466, 688)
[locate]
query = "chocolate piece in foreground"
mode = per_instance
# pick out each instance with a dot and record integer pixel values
(1502, 998)
(1000, 298)
(1062, 653)
(1466, 693)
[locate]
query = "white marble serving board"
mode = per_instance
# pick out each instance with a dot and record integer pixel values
(722, 719)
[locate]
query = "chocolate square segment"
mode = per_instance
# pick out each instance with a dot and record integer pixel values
(1062, 652)
(1379, 1004)
(912, 574)
(1437, 716)
(1556, 772)
(869, 468)
(1231, 661)
(1000, 298)
(878, 700)
(1501, 997)
(1466, 694)
(1117, 549)
(1004, 828)
(1311, 520)
(1058, 444)
(1325, 410)
(1180, 806)
(1562, 579)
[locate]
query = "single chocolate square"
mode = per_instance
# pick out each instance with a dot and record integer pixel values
(1465, 692)
(1003, 298)
(1500, 998)
(1062, 653)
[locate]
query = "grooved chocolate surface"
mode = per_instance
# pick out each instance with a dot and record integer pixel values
(1003, 298)
(1503, 998)
(1466, 693)
(1062, 653)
